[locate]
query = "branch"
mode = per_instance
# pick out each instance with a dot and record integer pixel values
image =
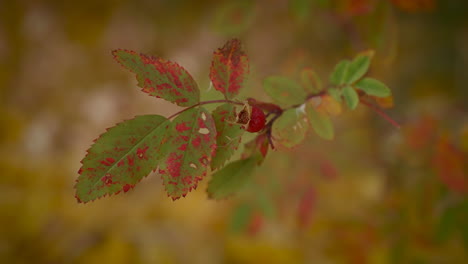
(381, 113)
(205, 103)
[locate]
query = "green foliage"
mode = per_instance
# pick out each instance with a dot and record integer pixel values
(284, 91)
(231, 178)
(340, 73)
(373, 87)
(228, 135)
(189, 149)
(121, 157)
(160, 78)
(320, 122)
(311, 81)
(229, 69)
(358, 67)
(182, 150)
(350, 97)
(290, 128)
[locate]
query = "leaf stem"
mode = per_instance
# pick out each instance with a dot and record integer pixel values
(381, 113)
(205, 103)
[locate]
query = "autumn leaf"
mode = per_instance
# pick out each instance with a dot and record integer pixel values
(189, 151)
(228, 135)
(290, 128)
(232, 178)
(160, 78)
(229, 69)
(121, 157)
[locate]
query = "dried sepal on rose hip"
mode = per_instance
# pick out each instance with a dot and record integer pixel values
(253, 117)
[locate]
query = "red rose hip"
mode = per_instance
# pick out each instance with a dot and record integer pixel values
(257, 120)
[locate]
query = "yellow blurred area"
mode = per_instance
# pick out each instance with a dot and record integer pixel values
(375, 194)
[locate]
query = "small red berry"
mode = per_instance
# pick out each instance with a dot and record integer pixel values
(257, 120)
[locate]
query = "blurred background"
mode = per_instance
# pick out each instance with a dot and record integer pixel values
(375, 194)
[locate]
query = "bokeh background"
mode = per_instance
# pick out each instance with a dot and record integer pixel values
(375, 194)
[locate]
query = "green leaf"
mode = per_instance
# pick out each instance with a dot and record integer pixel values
(284, 91)
(231, 178)
(311, 81)
(339, 74)
(229, 69)
(358, 67)
(189, 151)
(290, 128)
(228, 135)
(373, 87)
(335, 93)
(351, 97)
(121, 157)
(320, 122)
(160, 78)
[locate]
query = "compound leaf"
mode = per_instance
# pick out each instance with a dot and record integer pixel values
(121, 157)
(320, 122)
(290, 128)
(373, 87)
(189, 151)
(229, 69)
(228, 135)
(351, 97)
(232, 178)
(160, 78)
(284, 91)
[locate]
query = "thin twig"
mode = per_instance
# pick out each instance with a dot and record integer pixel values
(205, 103)
(381, 113)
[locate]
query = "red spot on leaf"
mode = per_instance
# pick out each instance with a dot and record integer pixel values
(127, 187)
(130, 160)
(105, 162)
(181, 127)
(141, 153)
(255, 224)
(121, 163)
(107, 179)
(182, 147)
(174, 164)
(196, 142)
(80, 170)
(111, 160)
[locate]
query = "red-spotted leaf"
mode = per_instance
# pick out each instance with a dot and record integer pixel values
(160, 78)
(229, 69)
(121, 157)
(231, 178)
(290, 128)
(189, 151)
(228, 135)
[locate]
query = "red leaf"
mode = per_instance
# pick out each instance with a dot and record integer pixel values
(229, 69)
(160, 78)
